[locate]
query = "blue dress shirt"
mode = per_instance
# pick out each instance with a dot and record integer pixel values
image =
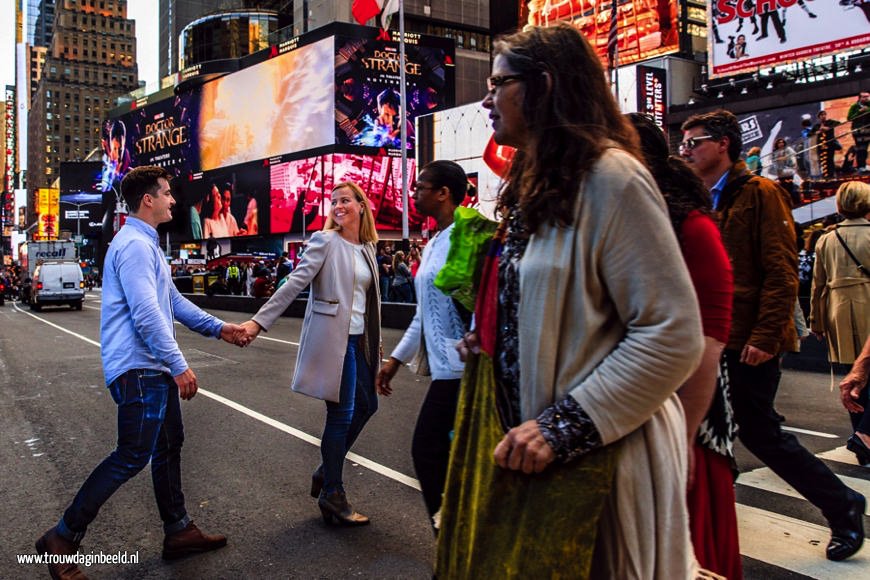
(140, 304)
(718, 188)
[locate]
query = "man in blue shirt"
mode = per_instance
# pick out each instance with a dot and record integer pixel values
(146, 375)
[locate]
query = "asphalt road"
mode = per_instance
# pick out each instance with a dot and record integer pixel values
(249, 451)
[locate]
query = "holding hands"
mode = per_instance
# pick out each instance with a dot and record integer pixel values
(235, 334)
(251, 330)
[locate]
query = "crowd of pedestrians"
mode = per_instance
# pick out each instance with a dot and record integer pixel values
(626, 326)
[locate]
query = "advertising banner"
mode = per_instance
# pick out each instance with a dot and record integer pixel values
(644, 28)
(281, 105)
(367, 102)
(800, 127)
(300, 190)
(160, 133)
(744, 35)
(225, 203)
(652, 93)
(81, 201)
(48, 208)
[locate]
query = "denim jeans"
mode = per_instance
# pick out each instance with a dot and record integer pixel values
(149, 429)
(345, 420)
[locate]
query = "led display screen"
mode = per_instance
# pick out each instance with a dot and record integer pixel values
(745, 35)
(644, 28)
(300, 190)
(281, 105)
(367, 99)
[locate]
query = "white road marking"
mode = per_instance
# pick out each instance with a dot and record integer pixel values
(62, 329)
(808, 432)
(795, 545)
(368, 463)
(764, 478)
(840, 455)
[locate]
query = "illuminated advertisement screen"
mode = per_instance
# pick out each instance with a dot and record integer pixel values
(744, 35)
(300, 190)
(225, 203)
(645, 28)
(47, 206)
(799, 126)
(157, 134)
(367, 88)
(81, 201)
(281, 105)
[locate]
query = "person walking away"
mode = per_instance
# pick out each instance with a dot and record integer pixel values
(146, 374)
(840, 296)
(758, 233)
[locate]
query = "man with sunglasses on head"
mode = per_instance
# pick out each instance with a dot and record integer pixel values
(758, 233)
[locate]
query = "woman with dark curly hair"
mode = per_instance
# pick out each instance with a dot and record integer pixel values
(580, 343)
(705, 395)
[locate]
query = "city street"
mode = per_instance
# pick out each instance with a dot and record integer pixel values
(251, 445)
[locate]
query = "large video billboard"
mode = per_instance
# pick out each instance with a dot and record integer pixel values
(367, 101)
(161, 133)
(81, 200)
(300, 190)
(744, 35)
(645, 28)
(279, 106)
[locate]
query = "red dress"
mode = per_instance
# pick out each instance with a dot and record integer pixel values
(711, 501)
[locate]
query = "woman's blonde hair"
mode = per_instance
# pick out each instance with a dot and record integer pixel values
(367, 230)
(753, 151)
(853, 199)
(398, 258)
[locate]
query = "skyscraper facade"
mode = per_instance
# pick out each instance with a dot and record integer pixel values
(90, 61)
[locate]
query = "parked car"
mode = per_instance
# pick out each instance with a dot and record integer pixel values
(56, 283)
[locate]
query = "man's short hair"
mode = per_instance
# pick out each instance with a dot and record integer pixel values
(139, 181)
(389, 97)
(719, 124)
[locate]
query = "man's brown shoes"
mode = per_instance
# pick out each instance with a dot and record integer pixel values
(191, 540)
(53, 543)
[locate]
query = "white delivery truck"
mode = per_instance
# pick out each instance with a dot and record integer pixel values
(56, 283)
(36, 253)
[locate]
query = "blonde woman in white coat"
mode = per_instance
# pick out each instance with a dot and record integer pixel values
(342, 322)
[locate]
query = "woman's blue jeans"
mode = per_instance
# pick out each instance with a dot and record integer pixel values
(149, 429)
(345, 420)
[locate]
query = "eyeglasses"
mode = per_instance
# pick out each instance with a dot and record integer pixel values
(692, 142)
(420, 187)
(494, 82)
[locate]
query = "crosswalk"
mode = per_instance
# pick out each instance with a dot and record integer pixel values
(797, 546)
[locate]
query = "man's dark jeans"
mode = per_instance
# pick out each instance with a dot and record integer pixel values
(149, 429)
(754, 391)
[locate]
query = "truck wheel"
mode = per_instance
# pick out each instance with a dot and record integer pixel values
(35, 307)
(76, 305)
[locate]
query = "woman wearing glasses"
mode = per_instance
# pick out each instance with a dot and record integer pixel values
(579, 347)
(339, 347)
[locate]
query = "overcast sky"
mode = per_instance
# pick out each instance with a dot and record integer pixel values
(144, 12)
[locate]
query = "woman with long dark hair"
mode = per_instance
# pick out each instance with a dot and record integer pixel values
(580, 343)
(705, 395)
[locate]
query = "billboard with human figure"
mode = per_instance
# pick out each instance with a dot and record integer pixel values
(744, 35)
